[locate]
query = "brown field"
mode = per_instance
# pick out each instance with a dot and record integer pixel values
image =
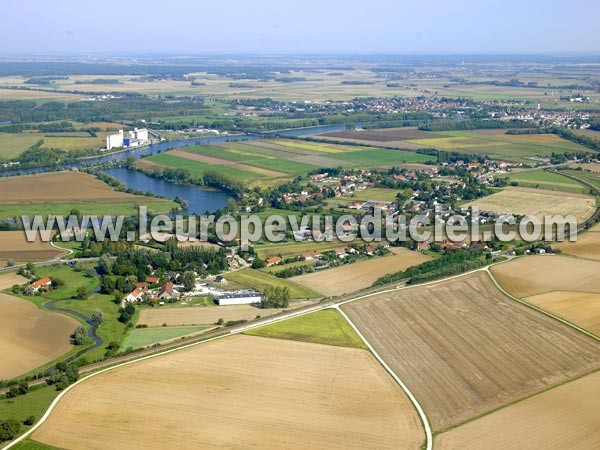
(592, 167)
(241, 392)
(59, 187)
(384, 135)
(22, 94)
(463, 348)
(13, 245)
(8, 280)
(587, 245)
(205, 315)
(565, 417)
(523, 201)
(532, 275)
(580, 308)
(30, 337)
(360, 275)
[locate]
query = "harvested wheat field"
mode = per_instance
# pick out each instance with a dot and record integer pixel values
(565, 417)
(241, 392)
(8, 280)
(14, 245)
(535, 202)
(587, 245)
(463, 348)
(580, 308)
(205, 315)
(59, 187)
(532, 275)
(360, 275)
(29, 337)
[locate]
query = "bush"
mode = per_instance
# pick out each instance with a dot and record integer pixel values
(29, 421)
(9, 429)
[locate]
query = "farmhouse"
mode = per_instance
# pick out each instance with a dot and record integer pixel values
(135, 295)
(273, 260)
(167, 292)
(239, 298)
(41, 284)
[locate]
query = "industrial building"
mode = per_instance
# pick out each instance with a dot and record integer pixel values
(133, 138)
(239, 298)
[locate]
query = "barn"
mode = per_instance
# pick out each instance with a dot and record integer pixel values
(239, 298)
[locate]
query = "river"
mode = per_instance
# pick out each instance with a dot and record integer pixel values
(138, 153)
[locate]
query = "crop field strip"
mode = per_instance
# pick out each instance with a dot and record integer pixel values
(538, 202)
(359, 275)
(587, 245)
(464, 348)
(563, 417)
(257, 161)
(235, 392)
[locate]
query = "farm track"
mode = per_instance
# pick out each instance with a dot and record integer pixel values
(102, 366)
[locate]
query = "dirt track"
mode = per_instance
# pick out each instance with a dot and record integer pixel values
(29, 337)
(463, 348)
(565, 417)
(239, 392)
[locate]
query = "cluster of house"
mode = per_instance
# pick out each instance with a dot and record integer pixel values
(150, 289)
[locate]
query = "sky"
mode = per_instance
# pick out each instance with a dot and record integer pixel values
(198, 27)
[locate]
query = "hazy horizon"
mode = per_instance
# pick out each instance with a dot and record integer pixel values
(270, 28)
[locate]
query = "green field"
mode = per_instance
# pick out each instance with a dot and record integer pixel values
(262, 161)
(497, 144)
(34, 403)
(13, 144)
(258, 280)
(111, 330)
(141, 337)
(590, 177)
(28, 444)
(9, 211)
(72, 281)
(547, 180)
(322, 327)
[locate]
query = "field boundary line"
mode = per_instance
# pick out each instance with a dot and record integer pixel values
(515, 402)
(316, 308)
(413, 399)
(538, 309)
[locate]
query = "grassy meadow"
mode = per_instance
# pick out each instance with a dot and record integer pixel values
(322, 327)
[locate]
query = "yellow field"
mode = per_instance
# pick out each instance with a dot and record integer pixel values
(535, 202)
(360, 275)
(587, 245)
(240, 392)
(30, 337)
(565, 417)
(463, 348)
(13, 144)
(8, 280)
(75, 143)
(580, 308)
(532, 275)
